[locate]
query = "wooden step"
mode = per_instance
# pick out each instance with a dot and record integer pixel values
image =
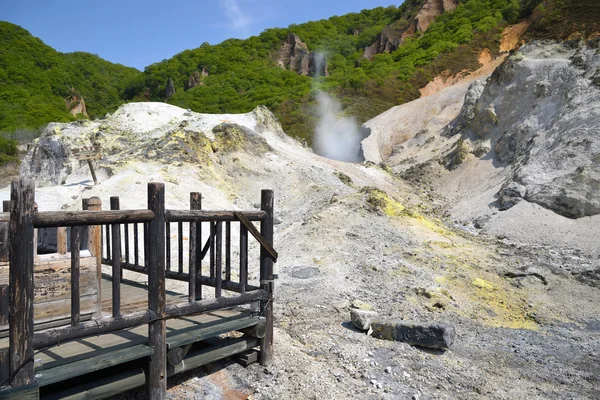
(215, 328)
(92, 364)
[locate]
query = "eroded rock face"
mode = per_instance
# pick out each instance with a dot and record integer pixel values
(197, 78)
(294, 56)
(394, 34)
(50, 161)
(170, 88)
(540, 111)
(76, 104)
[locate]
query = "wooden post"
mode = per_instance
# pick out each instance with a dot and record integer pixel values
(61, 240)
(136, 245)
(75, 244)
(92, 171)
(180, 246)
(243, 257)
(4, 234)
(21, 283)
(168, 245)
(266, 276)
(228, 251)
(194, 288)
(95, 248)
(155, 242)
(116, 261)
(218, 259)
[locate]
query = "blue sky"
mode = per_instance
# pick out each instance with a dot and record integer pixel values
(138, 33)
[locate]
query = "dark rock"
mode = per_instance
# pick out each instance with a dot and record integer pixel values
(436, 336)
(294, 56)
(170, 88)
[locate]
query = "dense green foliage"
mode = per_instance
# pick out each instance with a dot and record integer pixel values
(244, 74)
(35, 79)
(8, 150)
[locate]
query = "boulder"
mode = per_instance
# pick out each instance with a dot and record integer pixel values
(435, 336)
(362, 319)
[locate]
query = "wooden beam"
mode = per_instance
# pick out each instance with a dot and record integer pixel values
(266, 273)
(61, 240)
(182, 309)
(21, 282)
(75, 244)
(91, 166)
(257, 235)
(49, 219)
(195, 251)
(116, 260)
(157, 371)
(243, 257)
(206, 216)
(219, 259)
(95, 248)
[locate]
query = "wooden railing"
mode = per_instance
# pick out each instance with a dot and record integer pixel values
(156, 265)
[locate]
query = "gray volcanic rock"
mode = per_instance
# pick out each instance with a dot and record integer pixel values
(540, 111)
(170, 91)
(294, 56)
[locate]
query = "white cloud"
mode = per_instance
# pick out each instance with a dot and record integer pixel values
(237, 18)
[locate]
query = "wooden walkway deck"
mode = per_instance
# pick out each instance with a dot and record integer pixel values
(72, 359)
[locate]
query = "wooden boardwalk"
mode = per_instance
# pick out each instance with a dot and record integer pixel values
(84, 356)
(76, 333)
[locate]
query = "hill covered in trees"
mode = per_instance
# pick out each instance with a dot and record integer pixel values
(375, 59)
(35, 80)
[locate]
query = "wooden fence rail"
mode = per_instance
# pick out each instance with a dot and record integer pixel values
(23, 217)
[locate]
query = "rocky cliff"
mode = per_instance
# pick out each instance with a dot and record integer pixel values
(394, 34)
(75, 103)
(295, 56)
(539, 114)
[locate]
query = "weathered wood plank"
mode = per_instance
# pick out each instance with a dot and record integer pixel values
(48, 219)
(206, 215)
(95, 247)
(180, 246)
(75, 306)
(61, 240)
(157, 371)
(235, 323)
(29, 392)
(168, 245)
(92, 364)
(136, 245)
(219, 259)
(103, 388)
(116, 261)
(267, 258)
(21, 282)
(194, 244)
(243, 258)
(214, 353)
(228, 251)
(179, 310)
(257, 235)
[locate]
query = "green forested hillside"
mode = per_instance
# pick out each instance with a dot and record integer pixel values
(35, 79)
(244, 73)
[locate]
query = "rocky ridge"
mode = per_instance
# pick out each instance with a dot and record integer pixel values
(394, 34)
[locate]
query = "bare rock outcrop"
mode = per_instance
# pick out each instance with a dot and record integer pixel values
(394, 34)
(170, 91)
(197, 78)
(75, 103)
(294, 56)
(540, 114)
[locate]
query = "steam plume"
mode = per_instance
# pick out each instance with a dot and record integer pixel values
(336, 136)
